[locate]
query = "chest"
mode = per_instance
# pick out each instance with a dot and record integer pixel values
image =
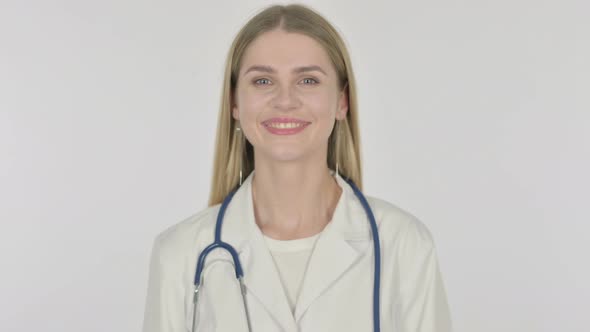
(344, 302)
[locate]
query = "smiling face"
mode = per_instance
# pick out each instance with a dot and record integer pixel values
(287, 96)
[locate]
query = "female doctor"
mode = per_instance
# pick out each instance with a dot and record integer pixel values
(287, 146)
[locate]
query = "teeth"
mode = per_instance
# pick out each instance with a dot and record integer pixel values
(285, 125)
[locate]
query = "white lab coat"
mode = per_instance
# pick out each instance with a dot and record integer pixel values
(337, 290)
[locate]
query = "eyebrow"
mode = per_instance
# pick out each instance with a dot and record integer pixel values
(297, 70)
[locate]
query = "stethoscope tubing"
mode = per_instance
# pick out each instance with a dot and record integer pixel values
(218, 243)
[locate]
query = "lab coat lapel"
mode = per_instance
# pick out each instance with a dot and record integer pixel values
(331, 257)
(260, 274)
(265, 284)
(333, 254)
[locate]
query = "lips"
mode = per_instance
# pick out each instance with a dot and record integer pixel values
(284, 120)
(285, 126)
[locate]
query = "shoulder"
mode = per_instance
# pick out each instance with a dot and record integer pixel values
(399, 225)
(184, 234)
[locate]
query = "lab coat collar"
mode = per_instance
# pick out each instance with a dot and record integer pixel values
(332, 256)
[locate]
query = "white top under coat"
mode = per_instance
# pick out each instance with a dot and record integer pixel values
(291, 258)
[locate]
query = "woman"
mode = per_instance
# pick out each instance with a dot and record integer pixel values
(287, 139)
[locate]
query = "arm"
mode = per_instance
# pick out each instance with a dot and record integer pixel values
(164, 310)
(423, 305)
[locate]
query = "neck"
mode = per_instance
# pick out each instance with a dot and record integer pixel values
(292, 201)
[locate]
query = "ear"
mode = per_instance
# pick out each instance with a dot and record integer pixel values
(342, 103)
(234, 109)
(234, 112)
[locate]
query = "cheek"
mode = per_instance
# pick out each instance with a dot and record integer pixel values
(251, 101)
(252, 111)
(249, 107)
(321, 106)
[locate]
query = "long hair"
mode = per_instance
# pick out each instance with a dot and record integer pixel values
(233, 152)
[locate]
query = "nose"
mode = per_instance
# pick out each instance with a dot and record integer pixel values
(285, 98)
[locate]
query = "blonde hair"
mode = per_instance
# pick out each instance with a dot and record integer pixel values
(233, 152)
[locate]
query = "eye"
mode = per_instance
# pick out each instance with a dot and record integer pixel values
(261, 79)
(312, 79)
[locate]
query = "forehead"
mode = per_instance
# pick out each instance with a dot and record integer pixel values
(284, 50)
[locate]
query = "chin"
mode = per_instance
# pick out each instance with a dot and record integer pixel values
(284, 153)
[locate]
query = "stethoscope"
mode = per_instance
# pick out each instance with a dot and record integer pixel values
(240, 273)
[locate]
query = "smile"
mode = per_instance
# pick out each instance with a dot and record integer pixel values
(283, 125)
(285, 128)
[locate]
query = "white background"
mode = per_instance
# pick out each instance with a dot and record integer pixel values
(474, 117)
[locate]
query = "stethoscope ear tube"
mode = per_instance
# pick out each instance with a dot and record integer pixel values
(195, 300)
(201, 263)
(203, 256)
(377, 249)
(218, 243)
